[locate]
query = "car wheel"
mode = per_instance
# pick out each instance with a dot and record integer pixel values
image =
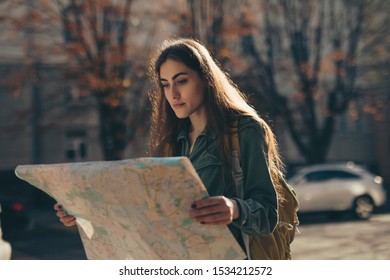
(363, 207)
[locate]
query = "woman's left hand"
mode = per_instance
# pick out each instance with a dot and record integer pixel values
(214, 210)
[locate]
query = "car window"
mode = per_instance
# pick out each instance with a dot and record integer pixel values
(317, 176)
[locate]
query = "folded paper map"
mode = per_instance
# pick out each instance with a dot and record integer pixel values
(134, 209)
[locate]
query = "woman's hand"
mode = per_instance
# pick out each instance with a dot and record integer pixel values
(214, 210)
(67, 220)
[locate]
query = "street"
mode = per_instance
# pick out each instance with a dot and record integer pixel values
(320, 239)
(344, 240)
(47, 240)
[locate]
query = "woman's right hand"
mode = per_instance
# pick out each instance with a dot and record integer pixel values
(67, 220)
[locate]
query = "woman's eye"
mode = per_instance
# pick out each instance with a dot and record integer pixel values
(164, 85)
(181, 82)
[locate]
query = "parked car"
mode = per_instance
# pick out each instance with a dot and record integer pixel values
(338, 187)
(5, 247)
(15, 215)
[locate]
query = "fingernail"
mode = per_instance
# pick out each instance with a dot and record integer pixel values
(193, 205)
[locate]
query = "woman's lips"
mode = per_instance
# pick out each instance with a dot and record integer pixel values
(176, 106)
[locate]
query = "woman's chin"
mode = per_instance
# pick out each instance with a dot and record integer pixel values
(181, 115)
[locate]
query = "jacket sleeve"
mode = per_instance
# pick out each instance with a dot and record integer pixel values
(258, 207)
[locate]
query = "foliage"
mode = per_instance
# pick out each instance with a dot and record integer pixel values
(99, 43)
(307, 62)
(318, 41)
(301, 61)
(313, 33)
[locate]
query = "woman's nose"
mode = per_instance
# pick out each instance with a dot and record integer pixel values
(174, 93)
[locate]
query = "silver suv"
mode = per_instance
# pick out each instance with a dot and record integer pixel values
(339, 187)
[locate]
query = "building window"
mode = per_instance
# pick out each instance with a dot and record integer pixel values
(76, 146)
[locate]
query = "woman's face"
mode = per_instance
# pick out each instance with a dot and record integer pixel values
(183, 88)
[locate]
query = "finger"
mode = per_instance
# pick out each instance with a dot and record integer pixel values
(217, 219)
(213, 210)
(210, 205)
(198, 213)
(68, 220)
(57, 206)
(61, 214)
(209, 201)
(71, 223)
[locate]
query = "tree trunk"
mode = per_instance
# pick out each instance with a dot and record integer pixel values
(320, 145)
(112, 131)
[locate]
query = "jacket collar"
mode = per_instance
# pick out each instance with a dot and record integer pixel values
(208, 132)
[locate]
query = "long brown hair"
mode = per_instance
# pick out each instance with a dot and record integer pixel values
(224, 103)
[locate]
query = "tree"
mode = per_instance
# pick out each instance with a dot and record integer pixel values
(105, 58)
(375, 64)
(97, 35)
(308, 34)
(207, 23)
(207, 19)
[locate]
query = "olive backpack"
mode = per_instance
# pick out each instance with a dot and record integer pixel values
(275, 246)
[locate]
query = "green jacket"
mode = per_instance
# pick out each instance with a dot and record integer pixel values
(258, 209)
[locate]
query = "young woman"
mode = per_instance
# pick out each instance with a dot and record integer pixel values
(194, 107)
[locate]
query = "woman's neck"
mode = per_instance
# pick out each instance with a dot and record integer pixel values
(198, 124)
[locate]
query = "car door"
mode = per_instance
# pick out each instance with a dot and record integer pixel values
(309, 190)
(317, 191)
(323, 190)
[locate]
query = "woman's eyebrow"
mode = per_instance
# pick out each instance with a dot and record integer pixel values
(174, 76)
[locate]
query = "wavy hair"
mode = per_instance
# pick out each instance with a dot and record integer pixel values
(224, 104)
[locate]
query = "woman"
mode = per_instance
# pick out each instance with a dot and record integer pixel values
(194, 107)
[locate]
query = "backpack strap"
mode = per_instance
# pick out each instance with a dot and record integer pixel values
(284, 233)
(233, 140)
(232, 143)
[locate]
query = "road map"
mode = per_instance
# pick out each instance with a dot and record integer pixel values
(135, 208)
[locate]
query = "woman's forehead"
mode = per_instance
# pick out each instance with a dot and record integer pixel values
(170, 68)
